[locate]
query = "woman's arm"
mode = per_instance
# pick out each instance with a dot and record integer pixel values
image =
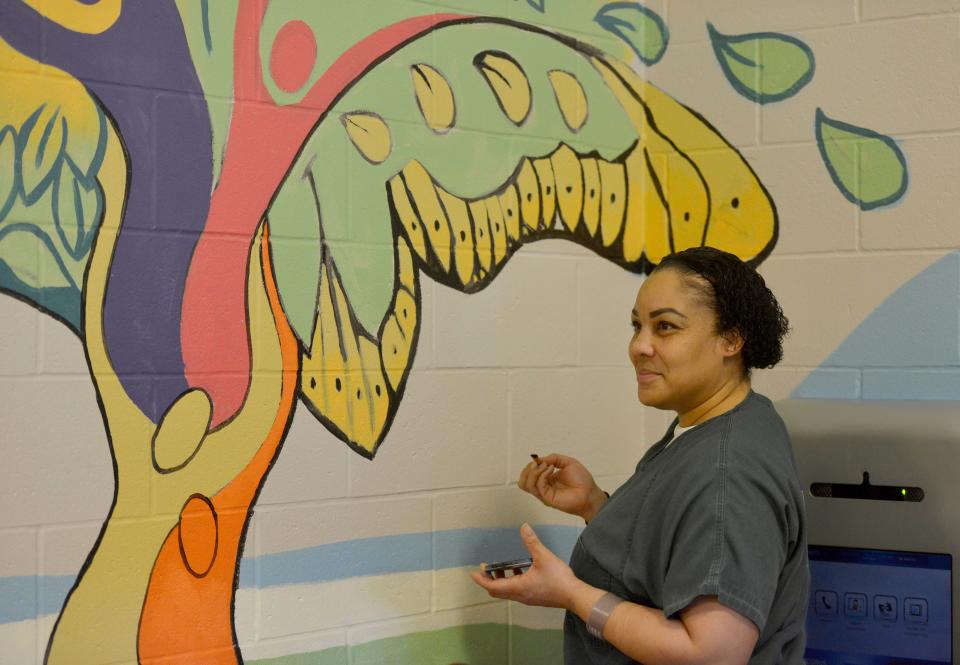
(706, 632)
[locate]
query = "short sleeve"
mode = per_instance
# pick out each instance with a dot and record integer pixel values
(730, 538)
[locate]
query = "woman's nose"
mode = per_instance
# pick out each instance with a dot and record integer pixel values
(640, 345)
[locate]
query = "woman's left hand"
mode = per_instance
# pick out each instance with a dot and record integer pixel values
(549, 582)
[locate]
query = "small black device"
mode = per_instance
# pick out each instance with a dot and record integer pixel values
(516, 566)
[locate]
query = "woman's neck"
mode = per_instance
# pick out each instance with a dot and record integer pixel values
(723, 400)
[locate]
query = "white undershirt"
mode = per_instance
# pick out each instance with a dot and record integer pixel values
(677, 431)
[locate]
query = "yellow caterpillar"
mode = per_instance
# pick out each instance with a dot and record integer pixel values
(679, 184)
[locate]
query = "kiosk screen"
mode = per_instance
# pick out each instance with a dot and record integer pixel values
(878, 607)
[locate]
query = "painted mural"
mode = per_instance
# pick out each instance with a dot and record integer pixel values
(233, 205)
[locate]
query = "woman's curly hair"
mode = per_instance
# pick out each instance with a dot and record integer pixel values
(740, 299)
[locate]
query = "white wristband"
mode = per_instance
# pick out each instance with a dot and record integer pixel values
(600, 612)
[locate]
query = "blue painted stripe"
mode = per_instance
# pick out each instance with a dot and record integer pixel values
(363, 557)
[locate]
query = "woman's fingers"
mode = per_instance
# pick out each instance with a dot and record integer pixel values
(525, 475)
(544, 488)
(530, 476)
(558, 461)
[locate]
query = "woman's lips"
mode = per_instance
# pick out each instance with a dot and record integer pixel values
(644, 376)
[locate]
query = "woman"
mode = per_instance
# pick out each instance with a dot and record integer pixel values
(700, 557)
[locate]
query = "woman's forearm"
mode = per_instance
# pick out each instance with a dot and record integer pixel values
(642, 633)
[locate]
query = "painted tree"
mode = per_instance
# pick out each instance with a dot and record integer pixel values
(233, 212)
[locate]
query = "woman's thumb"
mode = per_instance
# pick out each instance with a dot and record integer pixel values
(530, 540)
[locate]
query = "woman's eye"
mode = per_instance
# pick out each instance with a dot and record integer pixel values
(635, 326)
(665, 325)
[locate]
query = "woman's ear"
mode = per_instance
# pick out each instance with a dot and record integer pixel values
(731, 342)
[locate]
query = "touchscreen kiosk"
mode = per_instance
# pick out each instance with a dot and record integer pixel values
(883, 529)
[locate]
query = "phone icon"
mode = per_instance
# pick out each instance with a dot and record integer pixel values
(825, 603)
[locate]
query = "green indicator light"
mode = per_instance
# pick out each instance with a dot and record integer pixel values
(903, 492)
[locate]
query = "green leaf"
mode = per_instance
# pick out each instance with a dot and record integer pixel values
(42, 141)
(868, 168)
(763, 66)
(643, 30)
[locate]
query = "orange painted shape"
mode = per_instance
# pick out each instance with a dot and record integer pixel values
(187, 619)
(198, 535)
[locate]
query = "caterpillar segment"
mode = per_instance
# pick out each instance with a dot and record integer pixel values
(481, 221)
(351, 381)
(618, 208)
(613, 191)
(568, 179)
(510, 211)
(548, 195)
(591, 195)
(498, 228)
(529, 192)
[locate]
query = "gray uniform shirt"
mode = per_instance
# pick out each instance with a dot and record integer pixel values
(718, 513)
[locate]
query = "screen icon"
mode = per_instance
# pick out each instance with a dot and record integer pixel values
(885, 608)
(915, 610)
(855, 605)
(825, 603)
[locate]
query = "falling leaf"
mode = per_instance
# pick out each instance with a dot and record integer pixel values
(642, 29)
(868, 168)
(763, 66)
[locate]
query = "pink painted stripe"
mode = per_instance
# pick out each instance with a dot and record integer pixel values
(263, 141)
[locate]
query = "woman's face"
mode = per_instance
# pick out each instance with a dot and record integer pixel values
(679, 358)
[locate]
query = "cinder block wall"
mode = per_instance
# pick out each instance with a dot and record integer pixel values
(353, 560)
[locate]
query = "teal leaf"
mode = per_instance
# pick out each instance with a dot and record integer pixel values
(77, 209)
(643, 30)
(8, 169)
(763, 66)
(868, 168)
(539, 5)
(42, 143)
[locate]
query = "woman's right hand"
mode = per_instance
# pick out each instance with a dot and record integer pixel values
(563, 483)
